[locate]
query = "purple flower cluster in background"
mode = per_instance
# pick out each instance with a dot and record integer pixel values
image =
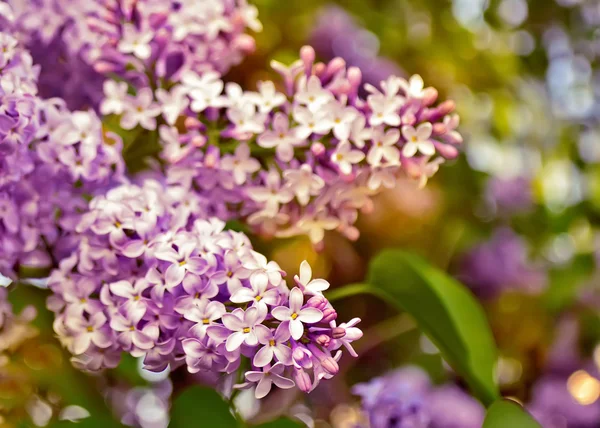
(405, 398)
(151, 42)
(336, 34)
(501, 264)
(152, 279)
(50, 159)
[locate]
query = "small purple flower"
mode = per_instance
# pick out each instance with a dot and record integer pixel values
(181, 260)
(295, 315)
(130, 336)
(274, 346)
(258, 294)
(242, 324)
(88, 331)
(268, 377)
(307, 284)
(199, 290)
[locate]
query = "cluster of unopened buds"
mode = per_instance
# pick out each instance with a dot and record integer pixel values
(143, 263)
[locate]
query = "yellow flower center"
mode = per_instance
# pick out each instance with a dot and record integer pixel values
(205, 321)
(294, 316)
(90, 329)
(182, 263)
(271, 342)
(258, 298)
(246, 330)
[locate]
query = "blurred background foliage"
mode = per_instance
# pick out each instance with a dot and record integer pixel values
(515, 217)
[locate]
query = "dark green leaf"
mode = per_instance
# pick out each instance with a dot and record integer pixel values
(445, 310)
(507, 413)
(201, 407)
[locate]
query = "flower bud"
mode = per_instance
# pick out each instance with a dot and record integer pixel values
(317, 149)
(302, 357)
(338, 332)
(307, 55)
(318, 302)
(302, 380)
(323, 340)
(429, 96)
(329, 314)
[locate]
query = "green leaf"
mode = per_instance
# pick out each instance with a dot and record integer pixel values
(281, 423)
(445, 310)
(201, 407)
(507, 413)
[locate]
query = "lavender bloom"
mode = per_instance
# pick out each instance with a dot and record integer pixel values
(405, 398)
(327, 149)
(50, 159)
(501, 264)
(172, 304)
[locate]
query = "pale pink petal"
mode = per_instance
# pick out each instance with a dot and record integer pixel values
(263, 357)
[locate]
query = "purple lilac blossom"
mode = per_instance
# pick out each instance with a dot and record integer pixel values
(554, 407)
(299, 162)
(509, 196)
(405, 398)
(51, 158)
(151, 41)
(501, 264)
(152, 278)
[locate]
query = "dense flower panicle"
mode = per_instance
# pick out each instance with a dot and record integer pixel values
(55, 34)
(405, 398)
(151, 41)
(300, 162)
(152, 278)
(51, 159)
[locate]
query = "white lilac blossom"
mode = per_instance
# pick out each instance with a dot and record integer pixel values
(198, 295)
(306, 160)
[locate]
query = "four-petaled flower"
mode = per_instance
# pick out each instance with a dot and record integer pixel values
(307, 284)
(242, 324)
(418, 140)
(268, 377)
(275, 345)
(295, 315)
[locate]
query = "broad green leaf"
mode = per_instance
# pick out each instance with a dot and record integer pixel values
(507, 413)
(201, 407)
(445, 310)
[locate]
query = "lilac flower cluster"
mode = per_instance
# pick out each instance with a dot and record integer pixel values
(55, 34)
(153, 41)
(502, 264)
(50, 160)
(405, 398)
(153, 279)
(294, 163)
